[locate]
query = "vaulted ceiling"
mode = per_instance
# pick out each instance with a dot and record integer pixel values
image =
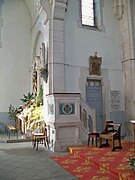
(32, 5)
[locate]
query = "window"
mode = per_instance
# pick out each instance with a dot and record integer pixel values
(88, 12)
(91, 14)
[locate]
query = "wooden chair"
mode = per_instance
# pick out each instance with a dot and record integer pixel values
(11, 129)
(93, 136)
(110, 127)
(40, 138)
(111, 132)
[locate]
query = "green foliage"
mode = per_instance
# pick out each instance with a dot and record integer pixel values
(36, 114)
(31, 110)
(39, 98)
(27, 98)
(12, 112)
(132, 162)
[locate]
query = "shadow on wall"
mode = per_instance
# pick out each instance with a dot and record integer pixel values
(4, 121)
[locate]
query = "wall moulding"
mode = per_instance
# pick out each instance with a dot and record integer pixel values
(60, 7)
(118, 9)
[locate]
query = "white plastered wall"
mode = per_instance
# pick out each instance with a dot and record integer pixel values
(15, 57)
(81, 43)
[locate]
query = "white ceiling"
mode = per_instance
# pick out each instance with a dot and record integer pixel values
(32, 4)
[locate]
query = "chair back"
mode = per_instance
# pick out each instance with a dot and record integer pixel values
(44, 130)
(109, 126)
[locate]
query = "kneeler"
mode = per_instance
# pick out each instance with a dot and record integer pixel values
(111, 135)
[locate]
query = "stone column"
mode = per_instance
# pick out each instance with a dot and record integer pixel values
(124, 12)
(57, 46)
(1, 21)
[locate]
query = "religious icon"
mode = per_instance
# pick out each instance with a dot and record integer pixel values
(95, 65)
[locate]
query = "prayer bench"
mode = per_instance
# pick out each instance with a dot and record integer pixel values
(11, 129)
(113, 135)
(94, 136)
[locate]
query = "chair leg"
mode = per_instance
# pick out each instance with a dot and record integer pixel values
(88, 140)
(113, 145)
(37, 144)
(107, 142)
(96, 140)
(120, 143)
(47, 142)
(92, 141)
(100, 141)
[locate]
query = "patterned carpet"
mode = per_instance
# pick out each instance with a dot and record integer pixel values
(93, 163)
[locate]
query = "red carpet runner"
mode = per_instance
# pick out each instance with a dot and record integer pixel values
(93, 163)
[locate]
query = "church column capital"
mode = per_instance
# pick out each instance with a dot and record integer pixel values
(118, 9)
(59, 10)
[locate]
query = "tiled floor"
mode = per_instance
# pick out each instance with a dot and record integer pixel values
(19, 161)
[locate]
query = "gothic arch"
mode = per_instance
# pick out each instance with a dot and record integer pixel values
(36, 62)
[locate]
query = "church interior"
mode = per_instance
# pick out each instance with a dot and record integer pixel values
(69, 64)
